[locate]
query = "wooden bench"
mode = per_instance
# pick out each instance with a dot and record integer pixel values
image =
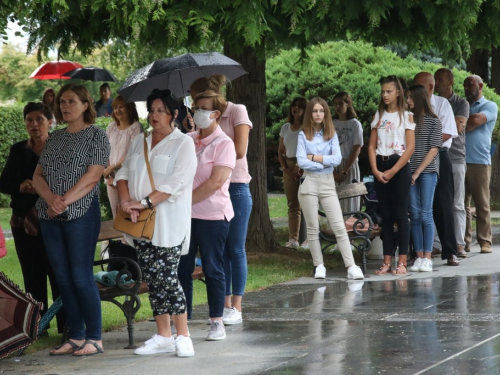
(363, 232)
(131, 292)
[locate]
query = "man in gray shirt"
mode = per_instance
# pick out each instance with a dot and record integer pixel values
(444, 87)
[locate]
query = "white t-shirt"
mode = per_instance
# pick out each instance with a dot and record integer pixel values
(391, 132)
(442, 108)
(350, 134)
(290, 139)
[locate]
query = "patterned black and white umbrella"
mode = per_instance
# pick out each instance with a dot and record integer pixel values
(177, 74)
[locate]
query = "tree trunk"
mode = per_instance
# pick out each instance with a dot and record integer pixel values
(495, 176)
(477, 63)
(250, 90)
(495, 69)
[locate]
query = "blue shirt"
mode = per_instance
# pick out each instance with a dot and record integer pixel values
(102, 108)
(330, 150)
(478, 141)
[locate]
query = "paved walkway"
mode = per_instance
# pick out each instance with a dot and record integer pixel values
(444, 322)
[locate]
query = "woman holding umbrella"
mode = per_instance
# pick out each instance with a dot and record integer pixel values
(236, 124)
(49, 99)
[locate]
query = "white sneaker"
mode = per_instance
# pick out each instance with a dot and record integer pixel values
(426, 265)
(217, 331)
(231, 316)
(184, 346)
(416, 265)
(305, 245)
(320, 272)
(355, 273)
(355, 286)
(157, 344)
(293, 244)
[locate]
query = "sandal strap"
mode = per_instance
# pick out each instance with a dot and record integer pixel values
(401, 264)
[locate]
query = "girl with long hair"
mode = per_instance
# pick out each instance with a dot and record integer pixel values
(392, 141)
(350, 133)
(424, 165)
(287, 151)
(120, 132)
(318, 152)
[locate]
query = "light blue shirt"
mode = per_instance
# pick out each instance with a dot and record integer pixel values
(330, 150)
(478, 141)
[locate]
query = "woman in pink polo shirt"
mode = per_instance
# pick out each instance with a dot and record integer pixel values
(236, 124)
(212, 209)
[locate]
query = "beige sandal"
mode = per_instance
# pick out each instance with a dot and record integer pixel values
(383, 270)
(400, 266)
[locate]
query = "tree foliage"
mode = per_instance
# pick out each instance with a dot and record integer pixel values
(86, 24)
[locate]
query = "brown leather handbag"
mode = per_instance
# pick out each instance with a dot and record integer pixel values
(145, 225)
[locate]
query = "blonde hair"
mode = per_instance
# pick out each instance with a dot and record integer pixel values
(218, 101)
(308, 124)
(212, 83)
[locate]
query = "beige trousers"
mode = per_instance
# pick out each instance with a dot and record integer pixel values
(320, 189)
(477, 187)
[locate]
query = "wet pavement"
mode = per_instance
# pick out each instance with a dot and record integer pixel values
(444, 322)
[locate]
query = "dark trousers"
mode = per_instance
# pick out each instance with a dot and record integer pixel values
(71, 248)
(393, 198)
(443, 206)
(209, 237)
(36, 268)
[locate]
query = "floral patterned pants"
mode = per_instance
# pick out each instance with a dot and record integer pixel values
(159, 270)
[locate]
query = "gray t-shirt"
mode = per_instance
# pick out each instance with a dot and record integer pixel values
(460, 107)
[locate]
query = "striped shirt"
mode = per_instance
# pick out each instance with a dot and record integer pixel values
(65, 159)
(427, 135)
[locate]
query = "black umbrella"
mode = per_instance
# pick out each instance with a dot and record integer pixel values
(19, 317)
(91, 73)
(177, 74)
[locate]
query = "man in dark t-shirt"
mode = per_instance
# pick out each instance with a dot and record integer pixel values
(444, 87)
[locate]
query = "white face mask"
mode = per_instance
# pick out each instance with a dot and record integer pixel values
(202, 118)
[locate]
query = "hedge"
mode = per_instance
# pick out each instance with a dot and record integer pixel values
(355, 67)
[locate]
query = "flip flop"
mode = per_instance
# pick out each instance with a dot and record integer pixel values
(74, 347)
(96, 345)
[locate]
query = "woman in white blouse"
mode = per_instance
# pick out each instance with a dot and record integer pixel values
(173, 164)
(318, 152)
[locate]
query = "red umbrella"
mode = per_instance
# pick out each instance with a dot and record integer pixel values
(19, 317)
(54, 70)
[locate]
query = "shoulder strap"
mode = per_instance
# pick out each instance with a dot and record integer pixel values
(146, 156)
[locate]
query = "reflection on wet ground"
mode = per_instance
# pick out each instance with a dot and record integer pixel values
(420, 326)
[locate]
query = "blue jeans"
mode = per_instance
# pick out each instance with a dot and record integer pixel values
(422, 224)
(235, 256)
(207, 236)
(71, 247)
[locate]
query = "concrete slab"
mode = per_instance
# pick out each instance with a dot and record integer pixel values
(443, 322)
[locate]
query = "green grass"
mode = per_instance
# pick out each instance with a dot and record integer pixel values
(5, 214)
(277, 207)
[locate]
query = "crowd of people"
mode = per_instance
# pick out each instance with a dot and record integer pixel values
(429, 156)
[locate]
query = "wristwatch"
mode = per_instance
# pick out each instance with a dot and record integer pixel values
(144, 202)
